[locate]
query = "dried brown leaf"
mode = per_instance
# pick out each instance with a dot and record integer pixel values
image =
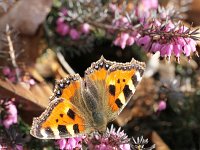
(160, 144)
(37, 94)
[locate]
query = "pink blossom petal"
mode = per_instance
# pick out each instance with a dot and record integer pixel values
(187, 50)
(162, 105)
(60, 20)
(74, 34)
(19, 147)
(85, 28)
(72, 142)
(112, 7)
(163, 51)
(130, 41)
(144, 40)
(192, 44)
(169, 50)
(177, 50)
(62, 143)
(121, 40)
(62, 29)
(156, 47)
(64, 11)
(125, 146)
(169, 27)
(6, 71)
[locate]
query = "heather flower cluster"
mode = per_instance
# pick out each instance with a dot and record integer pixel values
(8, 112)
(144, 23)
(156, 34)
(70, 143)
(110, 140)
(10, 74)
(64, 28)
(139, 144)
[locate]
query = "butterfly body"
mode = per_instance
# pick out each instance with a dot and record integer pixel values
(83, 105)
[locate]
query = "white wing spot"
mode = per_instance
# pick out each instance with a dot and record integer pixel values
(139, 78)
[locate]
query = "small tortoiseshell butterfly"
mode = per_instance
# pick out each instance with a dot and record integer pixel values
(83, 105)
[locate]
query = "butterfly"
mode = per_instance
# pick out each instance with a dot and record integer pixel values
(80, 106)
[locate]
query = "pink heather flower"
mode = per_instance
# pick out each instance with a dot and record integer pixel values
(74, 34)
(182, 29)
(60, 20)
(121, 40)
(156, 47)
(110, 140)
(70, 143)
(121, 22)
(157, 23)
(6, 71)
(85, 28)
(169, 26)
(113, 7)
(163, 50)
(11, 114)
(169, 50)
(64, 11)
(61, 143)
(150, 4)
(31, 82)
(177, 51)
(19, 147)
(162, 105)
(62, 29)
(130, 41)
(144, 42)
(192, 44)
(10, 74)
(187, 50)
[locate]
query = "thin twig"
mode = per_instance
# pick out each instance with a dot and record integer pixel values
(65, 64)
(12, 52)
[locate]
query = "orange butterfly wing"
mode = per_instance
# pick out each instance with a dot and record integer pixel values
(121, 82)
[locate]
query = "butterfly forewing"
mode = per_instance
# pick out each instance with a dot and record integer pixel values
(95, 75)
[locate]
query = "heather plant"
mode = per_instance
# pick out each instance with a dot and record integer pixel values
(166, 102)
(147, 24)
